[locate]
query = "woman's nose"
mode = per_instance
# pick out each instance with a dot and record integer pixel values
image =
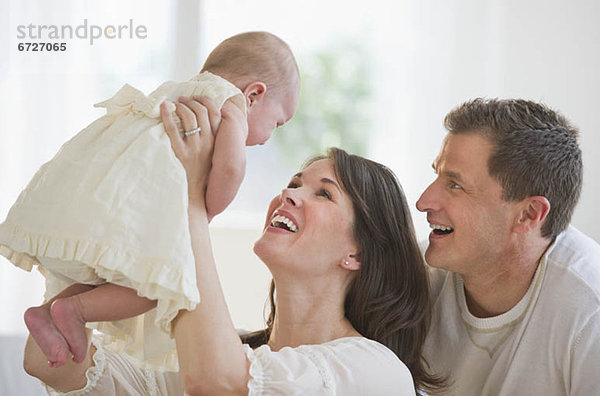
(290, 197)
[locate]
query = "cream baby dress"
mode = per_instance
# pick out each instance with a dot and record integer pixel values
(111, 206)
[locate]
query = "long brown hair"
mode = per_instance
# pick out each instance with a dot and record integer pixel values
(388, 300)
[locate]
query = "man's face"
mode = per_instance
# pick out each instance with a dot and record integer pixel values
(471, 223)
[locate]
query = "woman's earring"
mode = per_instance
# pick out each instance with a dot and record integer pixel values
(346, 263)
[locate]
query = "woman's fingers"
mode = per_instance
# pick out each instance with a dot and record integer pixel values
(189, 122)
(194, 150)
(198, 147)
(166, 114)
(200, 113)
(214, 113)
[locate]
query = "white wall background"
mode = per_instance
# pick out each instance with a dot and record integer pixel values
(427, 57)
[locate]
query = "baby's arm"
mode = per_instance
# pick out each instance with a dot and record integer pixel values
(228, 160)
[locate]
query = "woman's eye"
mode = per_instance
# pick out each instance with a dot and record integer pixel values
(324, 193)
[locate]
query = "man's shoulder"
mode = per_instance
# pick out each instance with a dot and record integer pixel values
(574, 265)
(574, 244)
(575, 252)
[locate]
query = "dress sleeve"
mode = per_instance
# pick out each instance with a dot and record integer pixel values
(113, 375)
(350, 366)
(346, 366)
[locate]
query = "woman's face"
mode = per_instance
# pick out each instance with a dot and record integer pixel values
(309, 225)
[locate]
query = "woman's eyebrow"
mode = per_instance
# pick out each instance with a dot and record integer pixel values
(323, 180)
(329, 181)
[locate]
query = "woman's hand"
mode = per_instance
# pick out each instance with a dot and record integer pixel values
(193, 151)
(210, 353)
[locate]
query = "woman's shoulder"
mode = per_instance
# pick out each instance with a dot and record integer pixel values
(351, 365)
(363, 366)
(361, 352)
(357, 346)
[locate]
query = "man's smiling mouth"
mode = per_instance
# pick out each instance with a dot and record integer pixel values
(439, 229)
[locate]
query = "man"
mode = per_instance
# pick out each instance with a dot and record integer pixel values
(516, 290)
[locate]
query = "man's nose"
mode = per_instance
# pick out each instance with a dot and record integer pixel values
(428, 200)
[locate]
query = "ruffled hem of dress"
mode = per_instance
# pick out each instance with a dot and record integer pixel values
(256, 384)
(21, 248)
(21, 260)
(92, 374)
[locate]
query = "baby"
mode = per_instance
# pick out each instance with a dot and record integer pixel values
(108, 214)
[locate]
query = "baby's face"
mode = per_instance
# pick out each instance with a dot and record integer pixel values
(270, 113)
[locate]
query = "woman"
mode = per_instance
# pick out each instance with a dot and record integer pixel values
(349, 297)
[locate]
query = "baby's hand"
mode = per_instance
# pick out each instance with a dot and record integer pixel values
(235, 117)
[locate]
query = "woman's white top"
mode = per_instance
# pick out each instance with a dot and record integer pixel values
(346, 366)
(111, 206)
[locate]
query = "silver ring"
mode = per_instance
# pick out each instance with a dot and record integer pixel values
(192, 132)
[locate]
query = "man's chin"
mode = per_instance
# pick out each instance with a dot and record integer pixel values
(436, 258)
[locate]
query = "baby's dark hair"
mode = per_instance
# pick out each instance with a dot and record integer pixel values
(254, 56)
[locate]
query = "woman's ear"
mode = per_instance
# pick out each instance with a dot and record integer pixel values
(351, 262)
(254, 92)
(532, 214)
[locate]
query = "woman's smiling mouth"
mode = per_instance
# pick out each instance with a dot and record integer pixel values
(284, 221)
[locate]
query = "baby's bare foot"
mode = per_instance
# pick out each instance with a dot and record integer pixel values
(47, 336)
(69, 321)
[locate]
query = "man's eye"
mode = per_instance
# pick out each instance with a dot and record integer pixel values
(324, 193)
(455, 186)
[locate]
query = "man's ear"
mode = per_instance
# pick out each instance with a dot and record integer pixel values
(254, 92)
(351, 262)
(533, 212)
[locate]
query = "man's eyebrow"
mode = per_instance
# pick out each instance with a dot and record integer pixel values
(453, 175)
